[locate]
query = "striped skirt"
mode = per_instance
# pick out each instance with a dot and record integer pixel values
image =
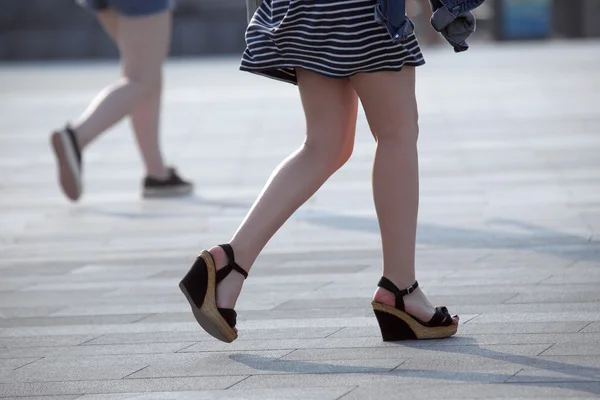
(335, 38)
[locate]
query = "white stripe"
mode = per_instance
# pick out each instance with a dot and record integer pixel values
(335, 38)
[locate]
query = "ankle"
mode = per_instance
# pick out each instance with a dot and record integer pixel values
(402, 282)
(76, 135)
(158, 174)
(245, 255)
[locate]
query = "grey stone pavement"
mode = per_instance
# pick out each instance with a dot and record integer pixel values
(508, 239)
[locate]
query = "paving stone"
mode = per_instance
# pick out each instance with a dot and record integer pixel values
(11, 364)
(248, 363)
(593, 327)
(46, 341)
(250, 315)
(68, 369)
(73, 320)
(524, 308)
(197, 335)
(44, 397)
(575, 390)
(575, 296)
(575, 374)
(520, 338)
(589, 347)
(358, 331)
(42, 298)
(333, 393)
(536, 317)
(507, 238)
(562, 362)
(27, 312)
(291, 344)
(406, 351)
(521, 327)
(93, 350)
(83, 387)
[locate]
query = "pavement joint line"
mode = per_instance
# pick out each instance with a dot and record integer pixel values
(286, 354)
(401, 364)
(509, 299)
(134, 372)
(545, 350)
(471, 319)
(347, 393)
(334, 332)
(590, 323)
(29, 363)
(545, 279)
(144, 317)
(513, 375)
(238, 382)
(186, 347)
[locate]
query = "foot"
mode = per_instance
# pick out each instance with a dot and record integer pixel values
(68, 157)
(416, 303)
(228, 290)
(172, 186)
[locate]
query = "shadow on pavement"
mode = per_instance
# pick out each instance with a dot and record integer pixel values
(581, 378)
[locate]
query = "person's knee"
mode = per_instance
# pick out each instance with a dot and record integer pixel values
(406, 132)
(345, 152)
(144, 83)
(331, 153)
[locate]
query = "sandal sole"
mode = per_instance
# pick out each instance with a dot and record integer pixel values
(421, 332)
(208, 315)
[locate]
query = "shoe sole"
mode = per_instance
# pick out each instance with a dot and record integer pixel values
(150, 193)
(68, 168)
(421, 332)
(208, 315)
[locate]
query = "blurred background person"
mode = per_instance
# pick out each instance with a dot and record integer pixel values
(142, 32)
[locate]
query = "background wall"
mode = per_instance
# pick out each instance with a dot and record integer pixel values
(58, 29)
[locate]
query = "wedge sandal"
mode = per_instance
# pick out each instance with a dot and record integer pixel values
(200, 289)
(396, 324)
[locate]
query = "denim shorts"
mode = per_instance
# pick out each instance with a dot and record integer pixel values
(129, 8)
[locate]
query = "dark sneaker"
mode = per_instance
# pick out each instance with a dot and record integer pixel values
(68, 158)
(171, 187)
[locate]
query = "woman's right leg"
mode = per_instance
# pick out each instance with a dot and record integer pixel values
(330, 107)
(391, 109)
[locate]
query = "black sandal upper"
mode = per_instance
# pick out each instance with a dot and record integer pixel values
(231, 265)
(441, 317)
(229, 314)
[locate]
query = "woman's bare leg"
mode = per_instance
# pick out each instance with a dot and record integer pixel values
(391, 109)
(330, 107)
(143, 45)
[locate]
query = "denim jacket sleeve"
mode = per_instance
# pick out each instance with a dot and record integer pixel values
(452, 18)
(392, 15)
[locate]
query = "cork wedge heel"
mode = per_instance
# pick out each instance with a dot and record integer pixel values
(199, 287)
(396, 324)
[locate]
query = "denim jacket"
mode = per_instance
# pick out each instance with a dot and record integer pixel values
(452, 18)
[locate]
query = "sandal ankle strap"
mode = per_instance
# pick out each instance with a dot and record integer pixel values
(386, 284)
(231, 264)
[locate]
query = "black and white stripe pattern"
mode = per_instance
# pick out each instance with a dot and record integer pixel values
(335, 38)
